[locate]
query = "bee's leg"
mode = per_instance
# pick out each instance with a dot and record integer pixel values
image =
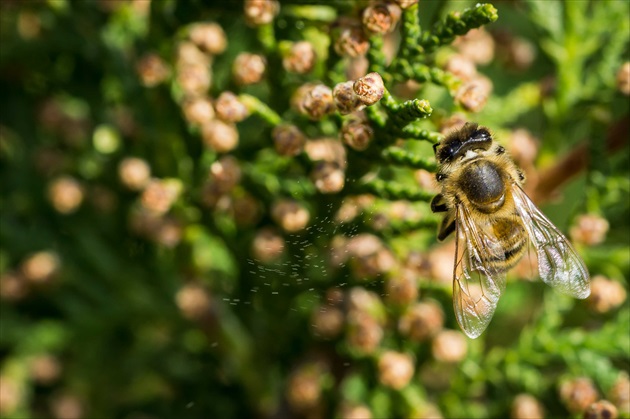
(447, 227)
(438, 204)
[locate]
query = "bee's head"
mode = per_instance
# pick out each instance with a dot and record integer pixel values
(470, 137)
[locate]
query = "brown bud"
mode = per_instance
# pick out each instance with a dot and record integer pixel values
(45, 369)
(11, 395)
(193, 301)
(245, 210)
(623, 79)
(152, 70)
(229, 108)
(13, 286)
(381, 18)
(523, 147)
(334, 296)
(194, 79)
(327, 322)
(66, 194)
(198, 110)
(441, 262)
(260, 12)
(226, 173)
(338, 255)
(160, 194)
(167, 232)
(422, 321)
(577, 394)
(356, 134)
(290, 215)
(521, 54)
(354, 411)
(248, 68)
(619, 394)
(288, 140)
(313, 100)
(514, 52)
(402, 289)
(346, 101)
(589, 229)
(369, 88)
(395, 369)
(350, 40)
(40, 267)
(364, 245)
(66, 406)
(211, 193)
(300, 58)
(189, 55)
(473, 94)
(602, 409)
(606, 294)
(219, 136)
(449, 346)
(462, 67)
(361, 300)
(364, 332)
(526, 406)
(144, 222)
(268, 245)
(28, 25)
(304, 389)
(328, 177)
(209, 37)
(327, 149)
(373, 265)
(134, 173)
(352, 206)
(477, 45)
(369, 257)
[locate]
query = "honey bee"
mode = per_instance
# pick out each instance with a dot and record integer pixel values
(494, 222)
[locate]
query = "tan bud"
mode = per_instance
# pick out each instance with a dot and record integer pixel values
(209, 37)
(66, 194)
(395, 369)
(300, 58)
(449, 346)
(219, 136)
(369, 88)
(248, 68)
(134, 173)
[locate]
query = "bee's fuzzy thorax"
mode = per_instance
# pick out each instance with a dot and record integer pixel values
(468, 150)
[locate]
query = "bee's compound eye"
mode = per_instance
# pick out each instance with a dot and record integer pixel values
(440, 177)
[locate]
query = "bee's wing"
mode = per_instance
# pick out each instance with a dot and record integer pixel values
(478, 279)
(558, 263)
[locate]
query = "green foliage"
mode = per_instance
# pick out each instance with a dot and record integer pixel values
(209, 280)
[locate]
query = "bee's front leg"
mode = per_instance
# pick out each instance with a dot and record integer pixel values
(438, 204)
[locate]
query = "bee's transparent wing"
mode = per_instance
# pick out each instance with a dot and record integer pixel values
(478, 279)
(558, 263)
